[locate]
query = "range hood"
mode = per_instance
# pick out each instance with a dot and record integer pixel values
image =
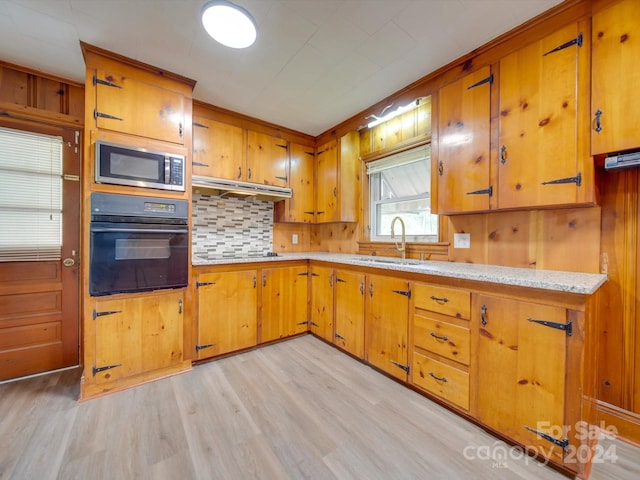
(622, 160)
(241, 189)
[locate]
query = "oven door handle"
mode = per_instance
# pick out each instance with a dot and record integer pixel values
(137, 230)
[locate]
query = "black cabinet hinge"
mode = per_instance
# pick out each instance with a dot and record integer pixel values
(302, 323)
(202, 284)
(306, 274)
(313, 154)
(577, 180)
(206, 345)
(406, 293)
(340, 280)
(99, 81)
(200, 125)
(574, 41)
(340, 337)
(484, 191)
(564, 444)
(567, 327)
(97, 114)
(284, 179)
(102, 314)
(198, 164)
(282, 146)
(102, 369)
(400, 365)
(313, 323)
(489, 80)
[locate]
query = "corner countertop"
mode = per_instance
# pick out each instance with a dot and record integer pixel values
(570, 282)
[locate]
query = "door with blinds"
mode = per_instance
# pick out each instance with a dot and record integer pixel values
(39, 241)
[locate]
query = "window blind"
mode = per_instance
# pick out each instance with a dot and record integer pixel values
(398, 159)
(30, 196)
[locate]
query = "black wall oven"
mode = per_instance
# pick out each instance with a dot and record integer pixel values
(137, 244)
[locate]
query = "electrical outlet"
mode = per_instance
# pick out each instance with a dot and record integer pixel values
(294, 239)
(461, 240)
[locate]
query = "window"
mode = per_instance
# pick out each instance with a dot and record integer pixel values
(30, 196)
(400, 187)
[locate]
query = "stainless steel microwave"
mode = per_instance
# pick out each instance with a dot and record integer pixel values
(139, 167)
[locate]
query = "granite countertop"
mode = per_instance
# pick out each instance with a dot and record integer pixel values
(570, 282)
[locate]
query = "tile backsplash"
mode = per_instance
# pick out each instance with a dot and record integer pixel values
(231, 227)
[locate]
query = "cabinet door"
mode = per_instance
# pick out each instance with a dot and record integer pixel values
(538, 141)
(521, 370)
(349, 311)
(218, 149)
(327, 182)
(285, 304)
(135, 335)
(464, 144)
(267, 159)
(322, 280)
(615, 76)
(227, 312)
(299, 208)
(386, 326)
(124, 104)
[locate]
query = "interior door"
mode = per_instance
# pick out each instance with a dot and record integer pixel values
(39, 306)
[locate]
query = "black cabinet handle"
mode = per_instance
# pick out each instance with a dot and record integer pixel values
(439, 379)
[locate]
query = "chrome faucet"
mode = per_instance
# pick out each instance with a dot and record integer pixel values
(403, 248)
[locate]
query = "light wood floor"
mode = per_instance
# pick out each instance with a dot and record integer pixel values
(297, 409)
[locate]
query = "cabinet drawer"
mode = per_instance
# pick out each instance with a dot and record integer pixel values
(443, 338)
(447, 301)
(443, 380)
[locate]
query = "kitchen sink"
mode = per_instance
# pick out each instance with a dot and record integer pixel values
(389, 261)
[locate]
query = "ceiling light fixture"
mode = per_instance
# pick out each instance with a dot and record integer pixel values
(229, 24)
(398, 111)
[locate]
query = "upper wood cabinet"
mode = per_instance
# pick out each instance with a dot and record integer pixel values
(542, 160)
(218, 149)
(227, 312)
(299, 208)
(267, 159)
(338, 180)
(615, 76)
(464, 146)
(125, 104)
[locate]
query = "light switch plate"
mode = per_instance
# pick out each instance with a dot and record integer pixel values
(294, 239)
(461, 240)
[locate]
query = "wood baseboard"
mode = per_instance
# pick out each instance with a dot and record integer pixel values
(610, 417)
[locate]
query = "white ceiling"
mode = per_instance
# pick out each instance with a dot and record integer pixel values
(315, 62)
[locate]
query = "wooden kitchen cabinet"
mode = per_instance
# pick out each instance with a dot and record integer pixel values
(218, 149)
(349, 301)
(521, 371)
(128, 105)
(227, 312)
(615, 76)
(462, 160)
(338, 180)
(542, 160)
(442, 342)
(322, 295)
(267, 159)
(300, 207)
(386, 324)
(135, 335)
(285, 304)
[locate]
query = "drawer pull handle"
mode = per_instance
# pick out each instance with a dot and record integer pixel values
(444, 338)
(439, 379)
(440, 300)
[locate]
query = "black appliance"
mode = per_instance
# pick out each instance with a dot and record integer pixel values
(139, 167)
(137, 244)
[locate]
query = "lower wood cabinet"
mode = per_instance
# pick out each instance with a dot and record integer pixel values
(322, 293)
(285, 302)
(227, 312)
(387, 324)
(134, 336)
(441, 342)
(521, 371)
(349, 300)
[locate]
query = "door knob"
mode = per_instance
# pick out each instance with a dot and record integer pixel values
(68, 262)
